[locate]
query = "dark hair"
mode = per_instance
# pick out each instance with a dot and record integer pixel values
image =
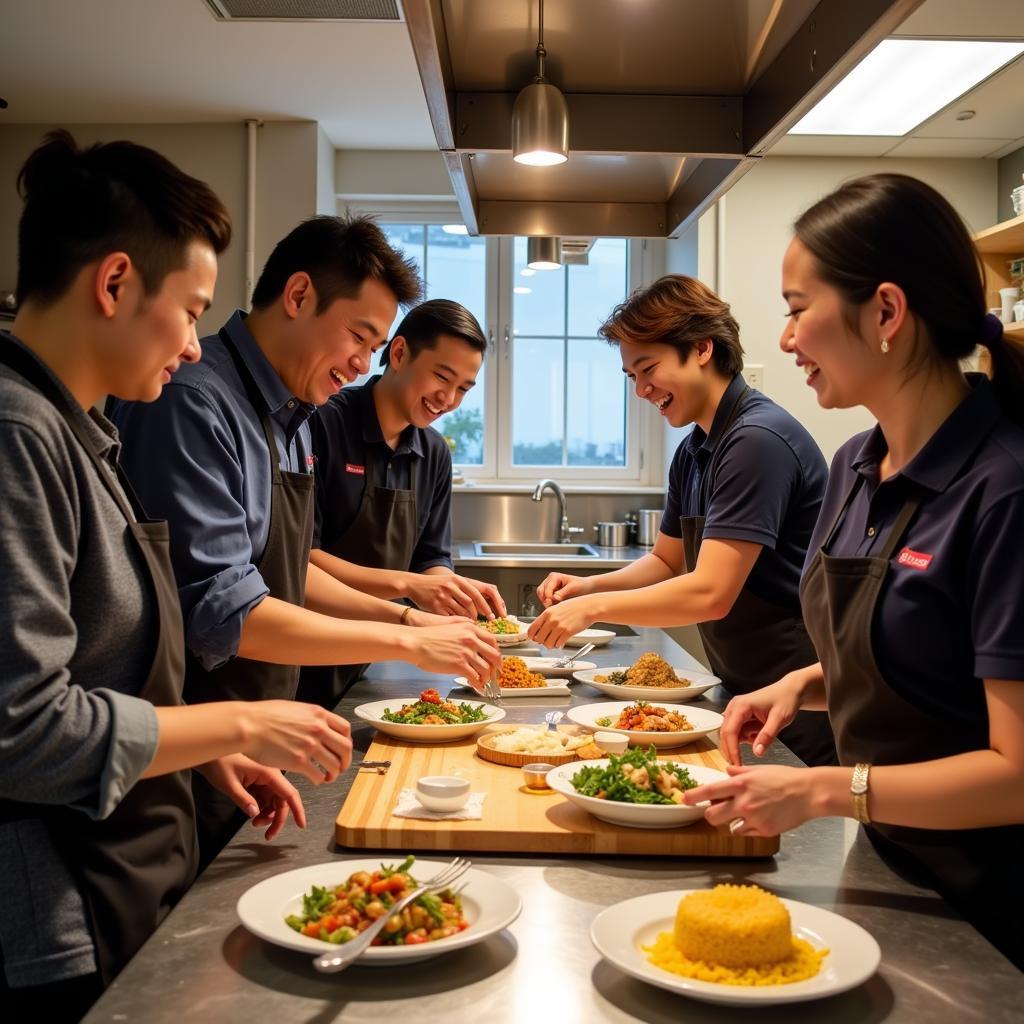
(678, 311)
(424, 324)
(81, 204)
(339, 254)
(891, 227)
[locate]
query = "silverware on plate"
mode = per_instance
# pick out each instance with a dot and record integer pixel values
(567, 661)
(331, 963)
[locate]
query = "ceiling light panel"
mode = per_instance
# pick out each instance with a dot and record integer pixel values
(902, 83)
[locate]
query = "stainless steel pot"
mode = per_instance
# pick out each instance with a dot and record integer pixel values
(648, 521)
(612, 535)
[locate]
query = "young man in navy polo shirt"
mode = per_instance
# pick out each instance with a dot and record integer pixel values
(744, 491)
(384, 479)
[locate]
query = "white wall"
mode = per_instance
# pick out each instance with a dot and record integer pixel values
(757, 215)
(287, 180)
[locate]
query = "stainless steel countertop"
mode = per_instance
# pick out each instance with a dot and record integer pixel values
(201, 965)
(464, 556)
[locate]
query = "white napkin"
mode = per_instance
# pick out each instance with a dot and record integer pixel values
(409, 806)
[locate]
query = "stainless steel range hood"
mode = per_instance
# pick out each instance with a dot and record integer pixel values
(670, 101)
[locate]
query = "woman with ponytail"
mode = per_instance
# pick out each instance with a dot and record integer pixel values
(912, 588)
(117, 261)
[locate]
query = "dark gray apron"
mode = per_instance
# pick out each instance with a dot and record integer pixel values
(382, 535)
(135, 864)
(759, 641)
(976, 870)
(283, 566)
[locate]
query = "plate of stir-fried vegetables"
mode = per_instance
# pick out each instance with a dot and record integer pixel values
(664, 725)
(635, 788)
(313, 908)
(429, 719)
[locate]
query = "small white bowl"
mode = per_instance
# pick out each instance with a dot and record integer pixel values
(442, 792)
(611, 742)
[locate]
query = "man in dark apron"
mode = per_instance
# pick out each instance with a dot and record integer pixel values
(384, 479)
(225, 456)
(744, 491)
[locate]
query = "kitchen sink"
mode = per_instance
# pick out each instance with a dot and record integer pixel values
(517, 549)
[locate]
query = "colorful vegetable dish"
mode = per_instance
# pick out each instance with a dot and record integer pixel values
(635, 777)
(431, 709)
(644, 717)
(339, 913)
(500, 627)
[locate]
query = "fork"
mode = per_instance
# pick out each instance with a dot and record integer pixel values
(331, 963)
(492, 688)
(567, 661)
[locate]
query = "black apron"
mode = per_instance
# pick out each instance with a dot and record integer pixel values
(283, 566)
(976, 870)
(759, 641)
(382, 535)
(135, 864)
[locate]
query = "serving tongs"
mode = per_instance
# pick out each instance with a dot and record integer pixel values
(567, 661)
(492, 687)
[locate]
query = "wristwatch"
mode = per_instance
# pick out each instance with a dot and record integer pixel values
(859, 792)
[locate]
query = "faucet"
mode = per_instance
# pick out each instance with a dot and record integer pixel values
(565, 531)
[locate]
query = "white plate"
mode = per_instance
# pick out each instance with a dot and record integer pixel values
(488, 903)
(559, 688)
(703, 722)
(654, 694)
(633, 815)
(549, 667)
(597, 637)
(424, 733)
(510, 639)
(619, 932)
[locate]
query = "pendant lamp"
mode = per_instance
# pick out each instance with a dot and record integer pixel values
(540, 117)
(544, 253)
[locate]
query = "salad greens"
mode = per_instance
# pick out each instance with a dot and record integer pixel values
(634, 777)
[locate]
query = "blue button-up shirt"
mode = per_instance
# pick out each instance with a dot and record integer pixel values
(197, 457)
(769, 481)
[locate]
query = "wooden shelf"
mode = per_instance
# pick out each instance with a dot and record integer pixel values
(1006, 238)
(1015, 331)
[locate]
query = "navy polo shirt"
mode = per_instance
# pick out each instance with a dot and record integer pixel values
(197, 457)
(767, 489)
(345, 429)
(951, 609)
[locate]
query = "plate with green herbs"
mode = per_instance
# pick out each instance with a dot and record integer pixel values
(636, 788)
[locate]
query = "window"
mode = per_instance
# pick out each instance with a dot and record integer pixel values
(551, 395)
(454, 266)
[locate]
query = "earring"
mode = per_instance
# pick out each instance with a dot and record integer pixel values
(884, 346)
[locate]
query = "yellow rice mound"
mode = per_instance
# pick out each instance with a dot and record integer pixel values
(735, 935)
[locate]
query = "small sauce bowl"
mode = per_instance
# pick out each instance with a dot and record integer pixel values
(611, 742)
(536, 774)
(442, 792)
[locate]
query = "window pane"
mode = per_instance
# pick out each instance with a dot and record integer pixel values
(537, 397)
(455, 267)
(596, 425)
(541, 310)
(596, 288)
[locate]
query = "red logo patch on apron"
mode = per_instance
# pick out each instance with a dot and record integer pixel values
(311, 461)
(358, 470)
(914, 559)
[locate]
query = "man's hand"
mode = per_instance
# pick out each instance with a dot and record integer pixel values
(558, 623)
(560, 586)
(264, 794)
(448, 594)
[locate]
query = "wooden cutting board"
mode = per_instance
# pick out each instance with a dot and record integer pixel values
(515, 820)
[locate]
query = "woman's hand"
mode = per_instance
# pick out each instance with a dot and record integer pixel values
(768, 799)
(448, 594)
(559, 622)
(457, 648)
(757, 718)
(419, 618)
(262, 793)
(296, 737)
(560, 586)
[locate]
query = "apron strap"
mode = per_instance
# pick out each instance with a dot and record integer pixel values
(734, 413)
(257, 401)
(896, 531)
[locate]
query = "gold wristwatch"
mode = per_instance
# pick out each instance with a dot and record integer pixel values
(859, 792)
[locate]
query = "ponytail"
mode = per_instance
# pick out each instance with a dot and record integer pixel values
(1007, 369)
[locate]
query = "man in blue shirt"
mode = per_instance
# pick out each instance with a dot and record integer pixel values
(744, 492)
(384, 478)
(225, 456)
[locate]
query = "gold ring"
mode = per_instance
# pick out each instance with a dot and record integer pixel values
(736, 824)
